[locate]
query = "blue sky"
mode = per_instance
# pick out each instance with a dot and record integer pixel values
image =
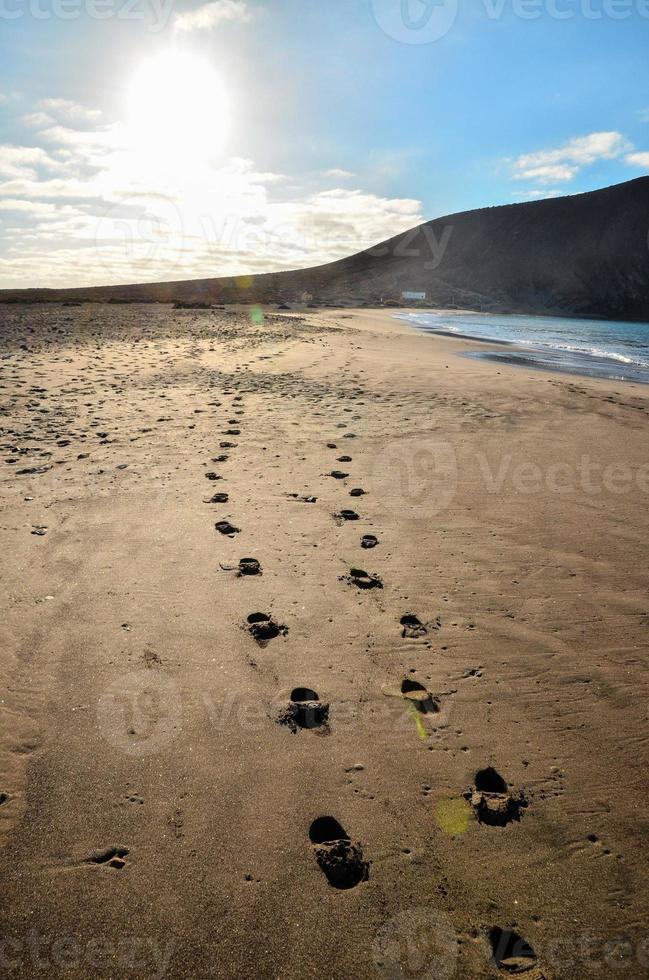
(173, 140)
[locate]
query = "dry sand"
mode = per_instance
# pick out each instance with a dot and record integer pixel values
(156, 815)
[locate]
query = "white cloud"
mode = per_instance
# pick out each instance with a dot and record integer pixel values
(213, 14)
(82, 142)
(644, 114)
(86, 206)
(338, 174)
(58, 115)
(24, 161)
(638, 160)
(40, 208)
(36, 120)
(70, 111)
(3, 98)
(565, 162)
(536, 195)
(549, 173)
(51, 189)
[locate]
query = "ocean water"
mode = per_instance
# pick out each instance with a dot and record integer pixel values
(596, 348)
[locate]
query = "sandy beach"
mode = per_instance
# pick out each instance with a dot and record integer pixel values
(453, 570)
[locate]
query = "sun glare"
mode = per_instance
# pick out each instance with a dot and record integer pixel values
(177, 110)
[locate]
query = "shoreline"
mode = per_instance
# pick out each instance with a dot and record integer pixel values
(141, 718)
(563, 361)
(461, 344)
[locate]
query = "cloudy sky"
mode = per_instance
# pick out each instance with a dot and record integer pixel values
(144, 140)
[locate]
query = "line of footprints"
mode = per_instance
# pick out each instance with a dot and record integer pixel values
(340, 859)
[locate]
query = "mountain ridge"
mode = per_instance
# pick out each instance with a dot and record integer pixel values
(579, 255)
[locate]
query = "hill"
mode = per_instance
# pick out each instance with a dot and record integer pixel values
(584, 255)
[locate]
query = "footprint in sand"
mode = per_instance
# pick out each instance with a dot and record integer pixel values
(357, 492)
(249, 566)
(213, 477)
(246, 566)
(492, 802)
(340, 861)
(362, 579)
(111, 857)
(263, 628)
(218, 498)
(229, 530)
(412, 627)
(419, 697)
(369, 541)
(510, 952)
(304, 710)
(346, 515)
(338, 475)
(33, 470)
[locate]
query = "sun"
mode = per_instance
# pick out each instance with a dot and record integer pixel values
(177, 110)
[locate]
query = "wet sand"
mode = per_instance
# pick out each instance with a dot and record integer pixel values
(473, 712)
